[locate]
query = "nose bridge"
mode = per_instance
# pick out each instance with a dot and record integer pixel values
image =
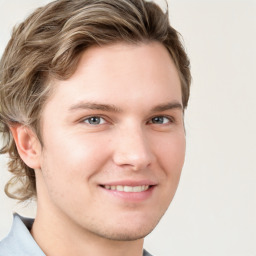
(132, 147)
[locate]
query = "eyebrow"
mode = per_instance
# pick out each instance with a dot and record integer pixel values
(113, 108)
(167, 106)
(95, 106)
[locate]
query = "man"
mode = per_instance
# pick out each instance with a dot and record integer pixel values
(93, 94)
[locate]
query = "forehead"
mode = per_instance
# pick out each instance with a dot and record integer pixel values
(128, 60)
(122, 73)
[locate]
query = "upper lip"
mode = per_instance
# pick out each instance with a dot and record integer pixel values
(131, 183)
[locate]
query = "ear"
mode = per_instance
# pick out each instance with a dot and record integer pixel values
(28, 145)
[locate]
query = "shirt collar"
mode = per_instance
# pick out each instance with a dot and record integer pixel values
(19, 240)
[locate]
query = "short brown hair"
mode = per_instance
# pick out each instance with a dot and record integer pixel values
(48, 45)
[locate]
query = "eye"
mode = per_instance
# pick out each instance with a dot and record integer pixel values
(94, 120)
(160, 120)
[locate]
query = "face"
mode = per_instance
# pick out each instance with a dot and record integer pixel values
(114, 141)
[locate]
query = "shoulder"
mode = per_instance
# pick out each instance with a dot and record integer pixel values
(8, 244)
(19, 240)
(5, 249)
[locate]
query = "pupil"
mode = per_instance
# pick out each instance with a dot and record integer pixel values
(94, 120)
(158, 120)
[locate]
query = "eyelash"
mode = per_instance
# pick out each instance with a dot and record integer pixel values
(161, 118)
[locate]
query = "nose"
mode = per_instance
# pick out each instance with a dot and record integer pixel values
(132, 150)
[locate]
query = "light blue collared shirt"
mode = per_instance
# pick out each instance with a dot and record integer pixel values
(19, 241)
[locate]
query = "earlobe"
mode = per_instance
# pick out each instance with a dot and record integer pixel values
(28, 145)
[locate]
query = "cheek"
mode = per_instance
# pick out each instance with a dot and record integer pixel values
(75, 157)
(171, 154)
(68, 167)
(177, 150)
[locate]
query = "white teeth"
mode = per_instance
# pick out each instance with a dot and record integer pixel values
(138, 188)
(119, 188)
(127, 188)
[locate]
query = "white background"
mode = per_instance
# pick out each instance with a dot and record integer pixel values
(214, 210)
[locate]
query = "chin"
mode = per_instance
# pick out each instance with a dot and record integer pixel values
(131, 230)
(127, 235)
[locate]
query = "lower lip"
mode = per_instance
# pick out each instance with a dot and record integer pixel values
(131, 196)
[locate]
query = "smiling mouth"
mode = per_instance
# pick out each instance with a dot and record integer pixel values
(127, 189)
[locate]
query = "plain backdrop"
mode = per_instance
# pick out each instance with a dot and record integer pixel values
(214, 210)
